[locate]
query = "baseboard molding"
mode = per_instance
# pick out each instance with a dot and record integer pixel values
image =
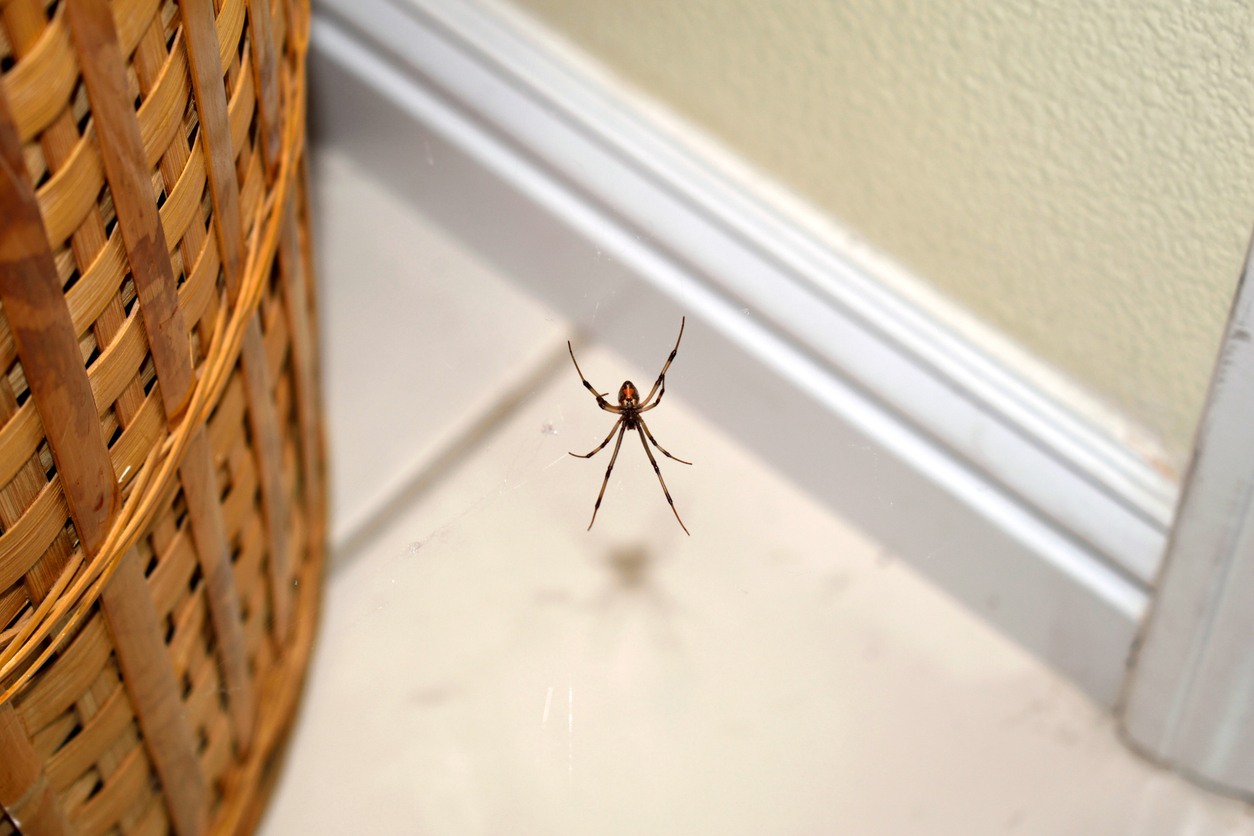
(1048, 528)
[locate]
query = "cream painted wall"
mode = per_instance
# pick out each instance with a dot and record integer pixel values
(1079, 178)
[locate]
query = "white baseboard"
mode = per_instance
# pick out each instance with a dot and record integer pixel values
(1043, 525)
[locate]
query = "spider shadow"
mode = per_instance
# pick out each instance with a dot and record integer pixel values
(631, 571)
(629, 584)
(630, 568)
(631, 595)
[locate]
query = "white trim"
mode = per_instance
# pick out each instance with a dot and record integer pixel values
(1190, 697)
(1079, 515)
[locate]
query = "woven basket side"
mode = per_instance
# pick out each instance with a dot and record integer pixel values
(161, 491)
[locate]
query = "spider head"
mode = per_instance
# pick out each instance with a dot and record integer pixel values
(628, 394)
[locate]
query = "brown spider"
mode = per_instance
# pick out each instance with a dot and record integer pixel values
(628, 411)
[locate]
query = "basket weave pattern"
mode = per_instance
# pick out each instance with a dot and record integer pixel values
(161, 464)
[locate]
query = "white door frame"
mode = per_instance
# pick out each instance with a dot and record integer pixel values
(1189, 699)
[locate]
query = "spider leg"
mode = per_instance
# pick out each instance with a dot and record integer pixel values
(658, 471)
(601, 446)
(658, 401)
(606, 480)
(645, 427)
(601, 401)
(662, 375)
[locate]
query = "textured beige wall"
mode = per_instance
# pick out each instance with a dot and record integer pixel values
(1080, 178)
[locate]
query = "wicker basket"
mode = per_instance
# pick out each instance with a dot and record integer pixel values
(161, 468)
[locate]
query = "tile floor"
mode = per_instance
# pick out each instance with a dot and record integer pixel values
(487, 666)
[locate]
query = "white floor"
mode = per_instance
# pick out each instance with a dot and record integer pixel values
(487, 666)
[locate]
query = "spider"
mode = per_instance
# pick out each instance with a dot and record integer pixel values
(629, 411)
